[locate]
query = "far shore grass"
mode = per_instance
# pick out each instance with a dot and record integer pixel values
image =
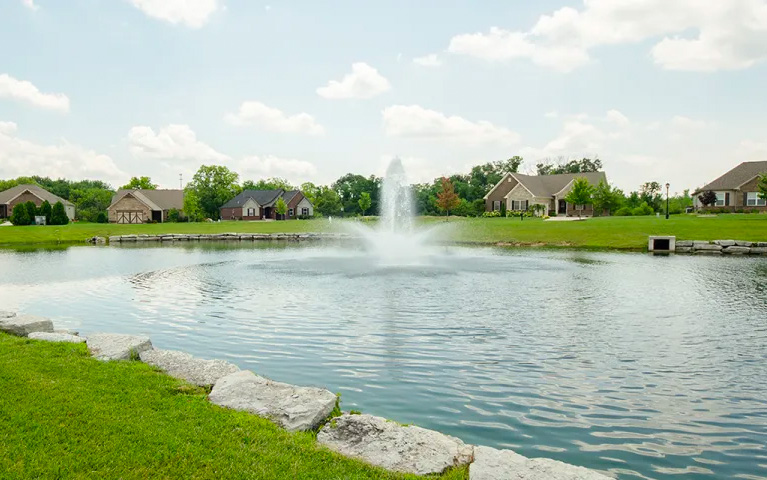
(595, 233)
(64, 414)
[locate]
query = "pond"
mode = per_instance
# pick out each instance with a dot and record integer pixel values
(644, 366)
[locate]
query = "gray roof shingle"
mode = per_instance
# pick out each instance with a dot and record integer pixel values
(548, 185)
(262, 197)
(13, 192)
(736, 177)
(155, 199)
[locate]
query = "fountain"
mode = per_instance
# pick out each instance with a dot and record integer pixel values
(395, 241)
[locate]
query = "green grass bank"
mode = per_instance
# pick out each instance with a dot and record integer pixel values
(66, 415)
(595, 233)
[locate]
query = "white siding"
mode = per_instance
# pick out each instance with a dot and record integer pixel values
(251, 204)
(304, 203)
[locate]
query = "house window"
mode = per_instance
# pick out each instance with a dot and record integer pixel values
(753, 200)
(720, 199)
(290, 212)
(305, 211)
(251, 212)
(496, 205)
(519, 204)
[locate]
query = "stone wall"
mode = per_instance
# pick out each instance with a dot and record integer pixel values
(719, 247)
(234, 237)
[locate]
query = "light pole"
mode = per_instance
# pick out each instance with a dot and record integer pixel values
(667, 185)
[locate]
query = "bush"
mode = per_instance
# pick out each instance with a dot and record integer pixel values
(31, 211)
(517, 213)
(174, 215)
(624, 212)
(59, 215)
(19, 215)
(101, 218)
(643, 209)
(46, 209)
(494, 213)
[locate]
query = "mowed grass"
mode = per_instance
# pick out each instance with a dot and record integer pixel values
(65, 415)
(601, 232)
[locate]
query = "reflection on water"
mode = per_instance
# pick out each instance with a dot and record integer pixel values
(647, 367)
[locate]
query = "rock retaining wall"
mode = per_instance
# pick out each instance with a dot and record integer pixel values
(719, 247)
(233, 237)
(381, 442)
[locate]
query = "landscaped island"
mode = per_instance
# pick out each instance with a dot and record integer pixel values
(595, 233)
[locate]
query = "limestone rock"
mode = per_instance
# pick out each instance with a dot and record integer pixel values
(683, 249)
(4, 315)
(742, 243)
(56, 337)
(707, 246)
(684, 243)
(186, 367)
(737, 250)
(293, 408)
(113, 346)
(23, 325)
(759, 250)
(725, 243)
(493, 464)
(387, 444)
(761, 244)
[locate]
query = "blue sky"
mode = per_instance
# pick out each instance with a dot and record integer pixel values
(660, 90)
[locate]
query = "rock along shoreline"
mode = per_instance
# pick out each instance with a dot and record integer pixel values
(375, 440)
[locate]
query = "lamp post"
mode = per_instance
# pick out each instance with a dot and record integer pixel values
(667, 185)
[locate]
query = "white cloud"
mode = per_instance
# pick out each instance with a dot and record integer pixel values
(257, 114)
(752, 150)
(295, 171)
(696, 36)
(431, 60)
(192, 13)
(686, 123)
(617, 118)
(363, 82)
(414, 121)
(27, 92)
(172, 142)
(21, 157)
(30, 4)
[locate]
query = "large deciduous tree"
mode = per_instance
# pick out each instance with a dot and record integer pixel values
(606, 198)
(447, 198)
(139, 183)
(581, 194)
(364, 202)
(350, 188)
(273, 183)
(553, 167)
(327, 202)
(212, 186)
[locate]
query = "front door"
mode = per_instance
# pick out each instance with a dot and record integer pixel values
(562, 207)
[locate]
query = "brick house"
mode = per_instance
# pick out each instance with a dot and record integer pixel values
(144, 206)
(519, 192)
(31, 193)
(737, 189)
(261, 205)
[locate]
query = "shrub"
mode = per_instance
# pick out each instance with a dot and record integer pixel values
(517, 213)
(174, 215)
(59, 215)
(643, 209)
(31, 211)
(46, 209)
(19, 215)
(494, 213)
(624, 212)
(101, 218)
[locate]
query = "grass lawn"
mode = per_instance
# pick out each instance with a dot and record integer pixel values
(65, 415)
(603, 232)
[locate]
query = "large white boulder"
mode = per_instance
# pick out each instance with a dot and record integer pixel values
(387, 444)
(4, 314)
(113, 346)
(56, 337)
(293, 408)
(186, 367)
(23, 325)
(493, 464)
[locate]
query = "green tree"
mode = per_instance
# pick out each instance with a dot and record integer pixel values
(581, 193)
(350, 188)
(650, 192)
(281, 208)
(707, 198)
(174, 215)
(213, 186)
(89, 202)
(46, 210)
(447, 198)
(606, 198)
(274, 183)
(102, 218)
(192, 209)
(19, 215)
(31, 211)
(549, 167)
(139, 183)
(364, 202)
(310, 191)
(59, 214)
(327, 202)
(763, 186)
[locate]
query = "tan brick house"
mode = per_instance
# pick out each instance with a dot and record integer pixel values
(518, 192)
(144, 206)
(261, 205)
(737, 189)
(31, 193)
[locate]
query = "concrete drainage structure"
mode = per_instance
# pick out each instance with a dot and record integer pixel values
(381, 442)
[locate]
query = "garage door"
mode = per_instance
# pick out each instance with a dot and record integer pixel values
(125, 216)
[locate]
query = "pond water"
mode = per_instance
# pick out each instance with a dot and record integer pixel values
(643, 366)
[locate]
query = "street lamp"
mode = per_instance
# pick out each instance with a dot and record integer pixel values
(667, 185)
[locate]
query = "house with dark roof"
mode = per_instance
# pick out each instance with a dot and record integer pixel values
(31, 193)
(144, 206)
(737, 189)
(518, 192)
(261, 205)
